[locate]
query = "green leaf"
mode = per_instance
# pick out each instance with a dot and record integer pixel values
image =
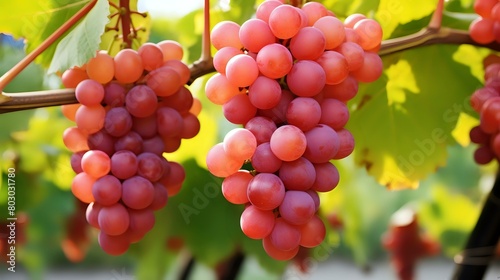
(37, 20)
(83, 41)
(402, 123)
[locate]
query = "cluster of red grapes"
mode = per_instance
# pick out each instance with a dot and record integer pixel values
(132, 108)
(486, 101)
(286, 76)
(486, 28)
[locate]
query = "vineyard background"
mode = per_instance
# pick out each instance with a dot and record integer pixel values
(423, 90)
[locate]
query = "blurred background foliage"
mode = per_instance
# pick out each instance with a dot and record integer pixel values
(451, 187)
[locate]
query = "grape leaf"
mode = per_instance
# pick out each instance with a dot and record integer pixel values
(403, 122)
(392, 13)
(36, 20)
(82, 42)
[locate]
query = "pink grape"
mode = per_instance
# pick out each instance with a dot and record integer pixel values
(240, 144)
(220, 164)
(256, 223)
(306, 78)
(262, 128)
(322, 144)
(137, 192)
(107, 190)
(274, 61)
(327, 177)
(298, 174)
(285, 21)
(288, 143)
(242, 70)
(266, 191)
(234, 187)
(297, 207)
(264, 93)
(285, 236)
(255, 34)
(304, 113)
(264, 160)
(114, 219)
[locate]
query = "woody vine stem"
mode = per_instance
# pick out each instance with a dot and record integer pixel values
(10, 102)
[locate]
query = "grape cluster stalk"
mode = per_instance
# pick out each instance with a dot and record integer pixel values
(132, 109)
(286, 76)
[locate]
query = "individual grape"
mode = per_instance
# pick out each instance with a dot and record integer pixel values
(164, 81)
(171, 50)
(255, 34)
(264, 10)
(483, 155)
(196, 107)
(322, 144)
(118, 122)
(92, 214)
(160, 196)
(141, 221)
(141, 101)
(128, 66)
(90, 119)
(191, 126)
(256, 223)
(298, 174)
(113, 245)
(264, 93)
(73, 76)
(327, 177)
(182, 100)
(226, 34)
(351, 20)
(285, 236)
(274, 61)
(288, 143)
(314, 11)
(481, 30)
(335, 66)
(239, 109)
(114, 219)
(312, 233)
(173, 182)
(101, 68)
(351, 35)
(235, 186)
(146, 127)
(101, 141)
(478, 136)
(81, 187)
(96, 163)
(171, 144)
(334, 113)
(242, 70)
(153, 145)
(76, 162)
(130, 142)
(371, 70)
(297, 207)
(149, 166)
(304, 113)
(264, 160)
(137, 192)
(490, 115)
(484, 7)
(124, 164)
(69, 111)
(333, 31)
(277, 253)
(284, 21)
(239, 144)
(370, 33)
(181, 68)
(262, 128)
(219, 90)
(266, 191)
(151, 56)
(480, 96)
(222, 56)
(169, 121)
(107, 190)
(75, 139)
(344, 91)
(308, 44)
(220, 164)
(114, 95)
(353, 54)
(306, 78)
(346, 144)
(89, 92)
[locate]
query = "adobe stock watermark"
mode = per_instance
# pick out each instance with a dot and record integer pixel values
(200, 200)
(427, 146)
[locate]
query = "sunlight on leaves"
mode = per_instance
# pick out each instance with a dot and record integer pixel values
(400, 82)
(464, 125)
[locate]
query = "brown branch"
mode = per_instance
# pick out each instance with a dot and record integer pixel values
(205, 44)
(125, 22)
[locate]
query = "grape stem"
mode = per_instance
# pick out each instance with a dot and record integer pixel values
(10, 102)
(14, 71)
(125, 22)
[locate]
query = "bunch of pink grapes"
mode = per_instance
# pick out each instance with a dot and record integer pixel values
(286, 76)
(132, 108)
